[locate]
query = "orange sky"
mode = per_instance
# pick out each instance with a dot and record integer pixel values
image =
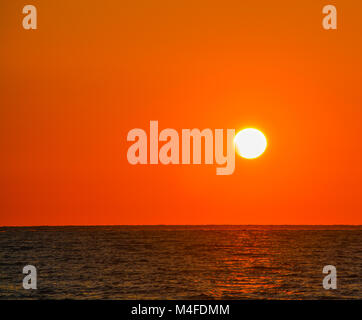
(93, 70)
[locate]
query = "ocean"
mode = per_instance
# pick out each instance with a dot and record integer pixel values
(181, 262)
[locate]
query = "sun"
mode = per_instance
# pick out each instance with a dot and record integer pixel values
(250, 143)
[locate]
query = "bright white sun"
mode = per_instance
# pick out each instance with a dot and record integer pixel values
(250, 143)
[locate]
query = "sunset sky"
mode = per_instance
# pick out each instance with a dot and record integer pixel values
(71, 90)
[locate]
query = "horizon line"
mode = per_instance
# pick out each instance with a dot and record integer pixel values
(177, 225)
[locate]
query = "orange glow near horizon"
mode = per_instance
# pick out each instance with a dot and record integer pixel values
(71, 90)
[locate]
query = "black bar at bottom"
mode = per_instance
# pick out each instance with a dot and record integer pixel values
(180, 309)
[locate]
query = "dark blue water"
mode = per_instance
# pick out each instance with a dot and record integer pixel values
(199, 262)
